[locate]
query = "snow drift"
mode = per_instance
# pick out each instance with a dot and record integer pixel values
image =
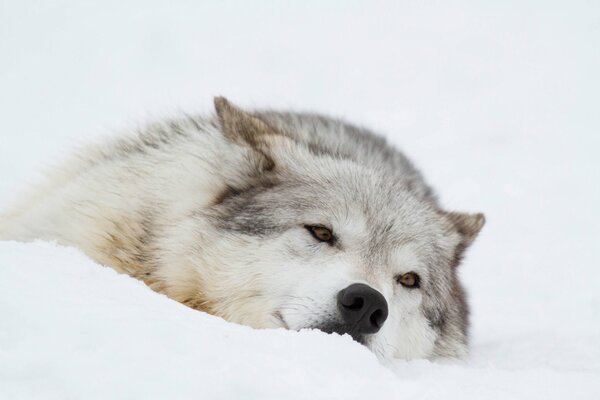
(75, 329)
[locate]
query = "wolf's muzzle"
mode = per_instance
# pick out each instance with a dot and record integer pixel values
(363, 309)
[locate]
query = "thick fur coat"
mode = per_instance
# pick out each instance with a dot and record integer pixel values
(264, 218)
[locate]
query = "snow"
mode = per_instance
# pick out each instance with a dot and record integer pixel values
(496, 102)
(83, 331)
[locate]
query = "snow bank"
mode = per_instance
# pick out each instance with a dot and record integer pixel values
(72, 329)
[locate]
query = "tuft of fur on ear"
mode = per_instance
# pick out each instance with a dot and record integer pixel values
(244, 128)
(468, 227)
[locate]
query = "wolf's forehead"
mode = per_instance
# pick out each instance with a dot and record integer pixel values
(377, 229)
(405, 257)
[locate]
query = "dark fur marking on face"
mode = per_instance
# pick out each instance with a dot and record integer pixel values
(449, 319)
(239, 212)
(436, 320)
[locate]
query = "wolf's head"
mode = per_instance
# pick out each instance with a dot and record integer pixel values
(306, 239)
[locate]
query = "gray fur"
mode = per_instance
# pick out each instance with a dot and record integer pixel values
(228, 252)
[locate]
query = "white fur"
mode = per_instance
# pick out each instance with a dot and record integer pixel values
(149, 206)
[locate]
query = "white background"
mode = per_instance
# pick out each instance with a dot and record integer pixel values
(496, 102)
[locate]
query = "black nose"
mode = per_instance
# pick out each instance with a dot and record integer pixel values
(363, 308)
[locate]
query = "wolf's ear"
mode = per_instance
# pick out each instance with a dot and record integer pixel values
(244, 128)
(468, 227)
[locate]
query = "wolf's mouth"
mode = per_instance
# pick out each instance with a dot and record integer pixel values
(327, 327)
(341, 329)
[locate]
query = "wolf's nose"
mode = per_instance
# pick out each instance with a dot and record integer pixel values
(363, 308)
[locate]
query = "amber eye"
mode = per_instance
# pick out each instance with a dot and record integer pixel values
(409, 280)
(320, 233)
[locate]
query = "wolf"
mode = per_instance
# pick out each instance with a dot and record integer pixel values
(268, 219)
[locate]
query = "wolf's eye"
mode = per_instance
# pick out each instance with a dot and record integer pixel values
(409, 280)
(320, 233)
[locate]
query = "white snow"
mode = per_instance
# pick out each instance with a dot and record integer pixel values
(497, 102)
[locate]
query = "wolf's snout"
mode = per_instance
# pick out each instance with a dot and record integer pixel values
(363, 308)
